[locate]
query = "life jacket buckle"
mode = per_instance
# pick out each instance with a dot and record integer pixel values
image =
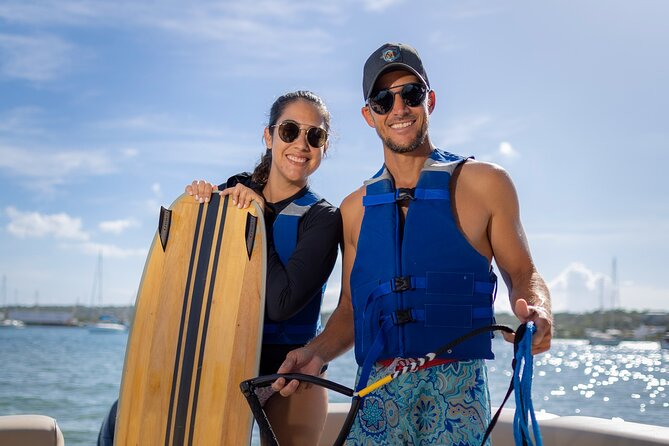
(401, 283)
(403, 316)
(404, 193)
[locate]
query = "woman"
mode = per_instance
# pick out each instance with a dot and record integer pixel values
(303, 232)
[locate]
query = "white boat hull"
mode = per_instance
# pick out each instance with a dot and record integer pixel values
(555, 430)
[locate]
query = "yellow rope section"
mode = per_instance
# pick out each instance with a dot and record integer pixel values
(372, 387)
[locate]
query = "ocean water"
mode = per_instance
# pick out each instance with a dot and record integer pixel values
(74, 376)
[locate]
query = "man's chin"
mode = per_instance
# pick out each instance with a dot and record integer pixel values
(403, 148)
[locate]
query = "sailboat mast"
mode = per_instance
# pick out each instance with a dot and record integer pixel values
(615, 296)
(4, 297)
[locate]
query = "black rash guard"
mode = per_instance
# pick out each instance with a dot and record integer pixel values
(289, 288)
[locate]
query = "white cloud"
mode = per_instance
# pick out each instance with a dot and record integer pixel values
(258, 31)
(507, 151)
(21, 120)
(118, 226)
(129, 152)
(110, 251)
(53, 164)
(470, 10)
(34, 58)
(578, 289)
(380, 5)
(36, 225)
(58, 12)
(162, 124)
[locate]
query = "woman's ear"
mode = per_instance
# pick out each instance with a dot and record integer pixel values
(267, 137)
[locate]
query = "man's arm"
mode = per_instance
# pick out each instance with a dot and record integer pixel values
(338, 335)
(528, 293)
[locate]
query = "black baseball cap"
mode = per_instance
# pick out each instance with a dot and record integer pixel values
(389, 57)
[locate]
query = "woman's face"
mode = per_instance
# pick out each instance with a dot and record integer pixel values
(293, 162)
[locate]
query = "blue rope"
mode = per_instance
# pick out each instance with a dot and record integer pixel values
(522, 381)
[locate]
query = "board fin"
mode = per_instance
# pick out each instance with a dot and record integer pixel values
(164, 225)
(251, 222)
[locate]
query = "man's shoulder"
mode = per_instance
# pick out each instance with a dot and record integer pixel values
(354, 198)
(474, 170)
(352, 204)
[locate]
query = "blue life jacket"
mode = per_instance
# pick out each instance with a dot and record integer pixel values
(416, 289)
(307, 323)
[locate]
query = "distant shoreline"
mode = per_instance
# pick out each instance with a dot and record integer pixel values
(567, 325)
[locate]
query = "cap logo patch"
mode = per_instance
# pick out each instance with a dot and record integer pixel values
(390, 55)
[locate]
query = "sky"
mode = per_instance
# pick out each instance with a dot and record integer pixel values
(108, 109)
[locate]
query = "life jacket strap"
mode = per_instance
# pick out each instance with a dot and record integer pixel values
(402, 193)
(400, 317)
(374, 351)
(404, 283)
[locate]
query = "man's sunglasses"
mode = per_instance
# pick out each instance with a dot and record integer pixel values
(289, 131)
(382, 101)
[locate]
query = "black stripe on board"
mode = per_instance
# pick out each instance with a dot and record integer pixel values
(210, 297)
(194, 317)
(184, 308)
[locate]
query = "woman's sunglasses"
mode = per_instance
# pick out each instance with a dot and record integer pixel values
(382, 101)
(289, 131)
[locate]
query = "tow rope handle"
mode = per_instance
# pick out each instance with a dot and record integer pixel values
(522, 366)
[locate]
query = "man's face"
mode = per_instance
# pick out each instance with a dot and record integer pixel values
(404, 128)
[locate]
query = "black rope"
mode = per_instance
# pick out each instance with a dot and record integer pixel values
(249, 386)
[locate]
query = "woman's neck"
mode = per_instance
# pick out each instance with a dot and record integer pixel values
(275, 192)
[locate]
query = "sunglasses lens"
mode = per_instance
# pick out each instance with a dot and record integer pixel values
(288, 131)
(382, 102)
(316, 137)
(413, 94)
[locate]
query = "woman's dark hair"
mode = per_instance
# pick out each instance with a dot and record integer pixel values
(261, 171)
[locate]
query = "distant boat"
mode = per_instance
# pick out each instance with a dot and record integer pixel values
(11, 323)
(105, 323)
(108, 324)
(6, 321)
(610, 337)
(606, 336)
(39, 316)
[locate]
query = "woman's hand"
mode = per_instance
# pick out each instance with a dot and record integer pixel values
(201, 190)
(242, 196)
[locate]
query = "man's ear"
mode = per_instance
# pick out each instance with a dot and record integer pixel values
(431, 101)
(367, 114)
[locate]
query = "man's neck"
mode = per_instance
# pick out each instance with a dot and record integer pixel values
(406, 167)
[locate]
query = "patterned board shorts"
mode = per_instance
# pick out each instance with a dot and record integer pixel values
(448, 404)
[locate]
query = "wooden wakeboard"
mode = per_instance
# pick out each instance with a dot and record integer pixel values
(197, 328)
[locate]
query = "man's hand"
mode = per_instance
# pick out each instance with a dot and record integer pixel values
(302, 360)
(541, 339)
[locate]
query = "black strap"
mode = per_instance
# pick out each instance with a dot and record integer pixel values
(248, 389)
(520, 332)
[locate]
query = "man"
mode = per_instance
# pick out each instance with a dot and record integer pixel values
(419, 239)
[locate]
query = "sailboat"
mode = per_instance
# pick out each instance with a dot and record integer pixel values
(5, 321)
(105, 323)
(607, 336)
(664, 342)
